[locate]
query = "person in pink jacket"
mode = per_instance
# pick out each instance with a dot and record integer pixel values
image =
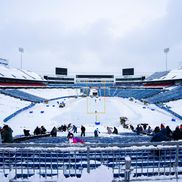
(73, 139)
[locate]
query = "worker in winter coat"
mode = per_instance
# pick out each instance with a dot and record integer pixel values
(160, 136)
(176, 134)
(96, 132)
(115, 131)
(54, 132)
(7, 134)
(83, 131)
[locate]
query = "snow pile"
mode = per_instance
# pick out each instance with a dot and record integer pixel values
(173, 74)
(9, 105)
(52, 93)
(175, 106)
(89, 111)
(166, 75)
(14, 73)
(101, 174)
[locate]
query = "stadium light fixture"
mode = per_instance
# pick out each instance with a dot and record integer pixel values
(21, 50)
(166, 50)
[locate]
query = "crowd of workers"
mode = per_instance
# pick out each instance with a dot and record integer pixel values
(161, 133)
(6, 132)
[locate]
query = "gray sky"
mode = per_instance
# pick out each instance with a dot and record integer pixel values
(91, 35)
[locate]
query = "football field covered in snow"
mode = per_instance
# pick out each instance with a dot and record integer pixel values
(87, 111)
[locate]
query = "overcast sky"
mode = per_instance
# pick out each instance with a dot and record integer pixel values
(91, 36)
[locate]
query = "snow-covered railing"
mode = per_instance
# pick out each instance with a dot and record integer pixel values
(18, 112)
(64, 97)
(33, 104)
(131, 162)
(169, 110)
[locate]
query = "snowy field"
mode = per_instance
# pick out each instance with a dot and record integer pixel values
(8, 105)
(87, 111)
(175, 106)
(52, 93)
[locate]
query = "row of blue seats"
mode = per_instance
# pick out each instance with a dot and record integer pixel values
(126, 93)
(80, 154)
(115, 175)
(78, 160)
(142, 169)
(166, 96)
(81, 157)
(22, 95)
(148, 174)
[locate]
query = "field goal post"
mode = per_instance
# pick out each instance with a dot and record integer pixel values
(95, 112)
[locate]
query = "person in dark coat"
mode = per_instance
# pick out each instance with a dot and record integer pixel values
(37, 131)
(160, 136)
(96, 132)
(7, 134)
(131, 127)
(43, 130)
(180, 128)
(83, 131)
(149, 130)
(139, 129)
(177, 134)
(54, 132)
(64, 128)
(169, 133)
(144, 126)
(156, 130)
(70, 135)
(115, 131)
(26, 132)
(74, 129)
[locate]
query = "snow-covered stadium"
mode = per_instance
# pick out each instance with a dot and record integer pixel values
(28, 100)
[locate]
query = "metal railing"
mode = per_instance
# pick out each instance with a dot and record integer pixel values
(129, 162)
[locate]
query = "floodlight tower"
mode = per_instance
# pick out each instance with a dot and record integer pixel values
(166, 50)
(21, 50)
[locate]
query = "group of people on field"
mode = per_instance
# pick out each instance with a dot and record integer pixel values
(42, 130)
(163, 133)
(142, 129)
(160, 133)
(6, 131)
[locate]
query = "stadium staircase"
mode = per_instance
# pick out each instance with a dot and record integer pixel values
(22, 95)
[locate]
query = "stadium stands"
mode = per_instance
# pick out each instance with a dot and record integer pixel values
(126, 93)
(167, 95)
(51, 160)
(21, 95)
(157, 75)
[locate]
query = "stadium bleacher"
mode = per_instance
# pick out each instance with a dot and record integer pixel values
(147, 161)
(157, 75)
(126, 93)
(166, 96)
(22, 95)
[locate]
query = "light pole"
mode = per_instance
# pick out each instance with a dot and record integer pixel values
(166, 50)
(21, 50)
